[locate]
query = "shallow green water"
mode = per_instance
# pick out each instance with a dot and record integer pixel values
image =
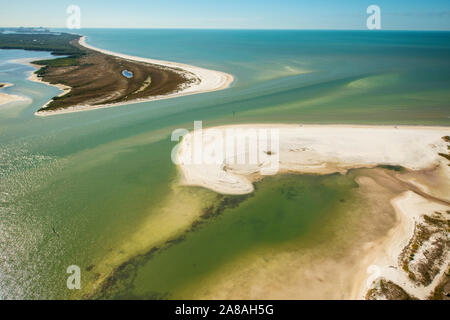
(75, 188)
(283, 209)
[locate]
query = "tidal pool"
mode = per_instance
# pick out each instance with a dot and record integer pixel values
(127, 74)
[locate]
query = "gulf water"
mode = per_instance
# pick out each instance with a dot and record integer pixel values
(97, 189)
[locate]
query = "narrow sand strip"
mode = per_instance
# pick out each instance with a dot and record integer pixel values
(5, 85)
(320, 149)
(205, 81)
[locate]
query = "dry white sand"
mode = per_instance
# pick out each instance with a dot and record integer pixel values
(318, 149)
(203, 80)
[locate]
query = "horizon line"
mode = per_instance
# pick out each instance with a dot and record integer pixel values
(213, 28)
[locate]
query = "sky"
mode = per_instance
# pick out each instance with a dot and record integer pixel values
(229, 14)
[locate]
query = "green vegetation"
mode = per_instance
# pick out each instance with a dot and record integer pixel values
(386, 289)
(61, 62)
(390, 167)
(58, 44)
(437, 221)
(442, 290)
(446, 156)
(94, 78)
(41, 71)
(34, 30)
(421, 234)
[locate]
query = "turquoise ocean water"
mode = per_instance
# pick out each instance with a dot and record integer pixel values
(75, 188)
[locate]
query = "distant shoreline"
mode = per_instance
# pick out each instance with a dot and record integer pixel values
(7, 98)
(313, 149)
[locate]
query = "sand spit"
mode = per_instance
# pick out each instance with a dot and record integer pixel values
(205, 81)
(320, 149)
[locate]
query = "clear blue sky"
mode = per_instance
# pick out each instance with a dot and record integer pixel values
(246, 14)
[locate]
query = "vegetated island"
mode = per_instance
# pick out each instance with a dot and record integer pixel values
(93, 78)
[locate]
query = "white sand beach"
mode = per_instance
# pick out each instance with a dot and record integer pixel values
(320, 149)
(203, 80)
